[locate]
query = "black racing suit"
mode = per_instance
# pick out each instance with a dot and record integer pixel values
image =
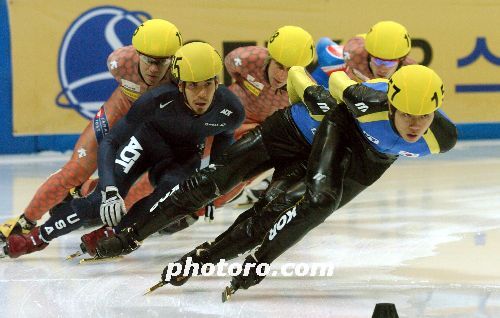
(343, 162)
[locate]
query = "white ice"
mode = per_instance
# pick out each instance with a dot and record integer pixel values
(425, 237)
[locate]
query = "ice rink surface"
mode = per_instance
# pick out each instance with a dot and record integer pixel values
(425, 237)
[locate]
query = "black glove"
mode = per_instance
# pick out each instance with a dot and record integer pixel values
(318, 100)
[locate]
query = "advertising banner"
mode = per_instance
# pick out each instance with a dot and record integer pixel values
(59, 48)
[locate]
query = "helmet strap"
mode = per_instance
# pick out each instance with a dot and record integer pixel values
(168, 72)
(400, 64)
(368, 60)
(266, 68)
(392, 113)
(182, 89)
(140, 73)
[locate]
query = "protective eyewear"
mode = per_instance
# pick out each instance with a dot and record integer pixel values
(385, 63)
(151, 60)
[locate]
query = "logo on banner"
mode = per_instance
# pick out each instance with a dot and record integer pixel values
(480, 50)
(85, 81)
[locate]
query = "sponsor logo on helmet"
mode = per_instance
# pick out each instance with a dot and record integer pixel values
(85, 81)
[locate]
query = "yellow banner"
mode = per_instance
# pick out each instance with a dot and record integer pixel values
(59, 48)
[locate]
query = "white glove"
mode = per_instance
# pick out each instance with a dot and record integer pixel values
(112, 206)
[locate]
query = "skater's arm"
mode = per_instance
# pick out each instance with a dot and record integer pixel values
(119, 134)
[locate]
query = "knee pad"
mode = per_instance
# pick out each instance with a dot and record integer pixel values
(323, 204)
(322, 200)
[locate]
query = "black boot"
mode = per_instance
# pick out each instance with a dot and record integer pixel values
(194, 259)
(122, 243)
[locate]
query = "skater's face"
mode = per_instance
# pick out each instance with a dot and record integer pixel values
(153, 69)
(383, 68)
(412, 127)
(199, 95)
(277, 74)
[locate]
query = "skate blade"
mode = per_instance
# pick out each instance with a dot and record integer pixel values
(100, 259)
(153, 288)
(79, 253)
(227, 293)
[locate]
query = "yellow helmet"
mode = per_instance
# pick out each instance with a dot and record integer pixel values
(388, 40)
(157, 38)
(196, 62)
(415, 90)
(291, 46)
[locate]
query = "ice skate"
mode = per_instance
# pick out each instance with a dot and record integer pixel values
(99, 259)
(22, 244)
(198, 255)
(16, 225)
(89, 246)
(89, 241)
